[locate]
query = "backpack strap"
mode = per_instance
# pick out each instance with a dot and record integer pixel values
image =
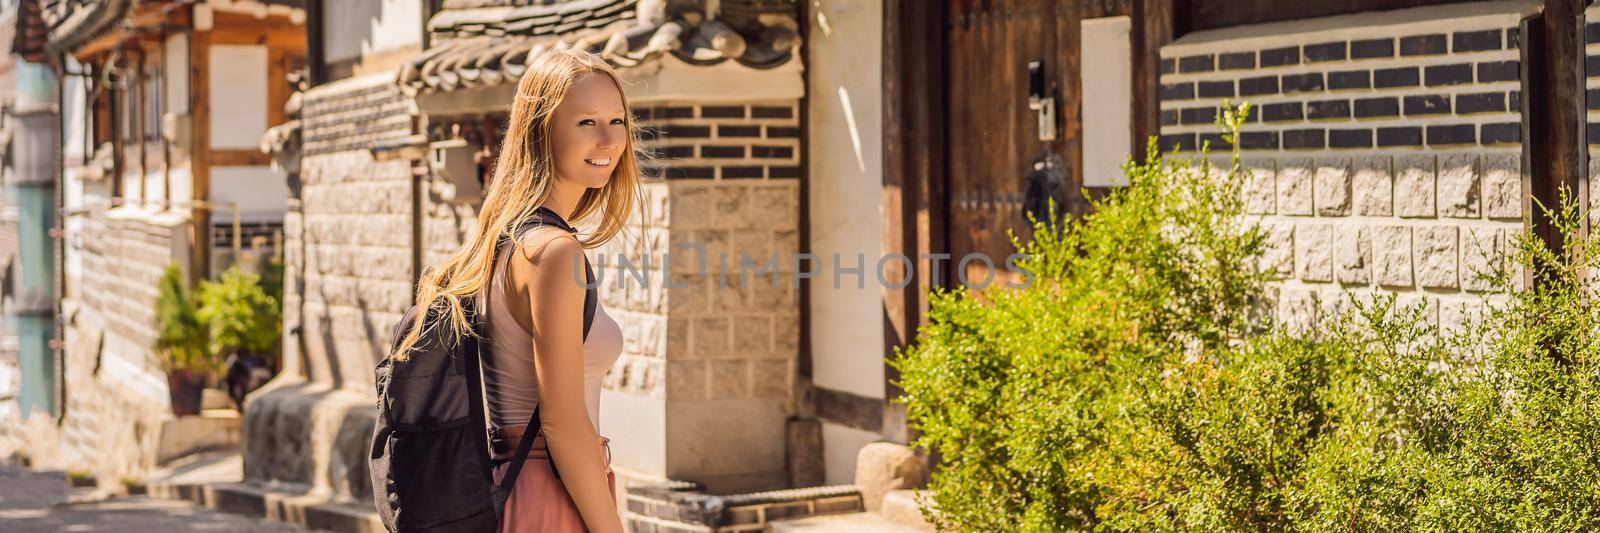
(544, 216)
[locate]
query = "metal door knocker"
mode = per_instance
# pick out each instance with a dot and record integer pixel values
(1046, 180)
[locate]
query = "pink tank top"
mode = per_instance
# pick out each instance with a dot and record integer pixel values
(509, 384)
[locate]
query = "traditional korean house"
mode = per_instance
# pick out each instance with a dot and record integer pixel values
(1392, 151)
(162, 104)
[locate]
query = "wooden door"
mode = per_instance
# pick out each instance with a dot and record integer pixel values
(998, 168)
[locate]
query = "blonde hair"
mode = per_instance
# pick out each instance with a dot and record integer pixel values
(523, 180)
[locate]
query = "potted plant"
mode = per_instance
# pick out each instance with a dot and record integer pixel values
(244, 323)
(181, 339)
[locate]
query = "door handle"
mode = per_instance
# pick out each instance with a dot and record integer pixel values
(1040, 102)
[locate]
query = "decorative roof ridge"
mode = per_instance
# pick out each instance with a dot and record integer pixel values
(82, 24)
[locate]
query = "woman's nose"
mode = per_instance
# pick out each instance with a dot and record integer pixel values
(611, 137)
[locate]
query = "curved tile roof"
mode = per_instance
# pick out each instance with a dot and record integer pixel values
(489, 46)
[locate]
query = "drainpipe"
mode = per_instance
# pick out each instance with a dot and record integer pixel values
(31, 193)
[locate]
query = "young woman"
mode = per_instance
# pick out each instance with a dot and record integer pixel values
(569, 148)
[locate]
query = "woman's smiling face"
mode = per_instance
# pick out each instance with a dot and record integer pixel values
(589, 132)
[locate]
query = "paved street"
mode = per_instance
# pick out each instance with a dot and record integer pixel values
(39, 501)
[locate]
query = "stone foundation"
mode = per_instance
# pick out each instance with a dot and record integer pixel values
(1383, 147)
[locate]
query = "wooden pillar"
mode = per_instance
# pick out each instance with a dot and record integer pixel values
(200, 149)
(1555, 145)
(913, 177)
(1152, 29)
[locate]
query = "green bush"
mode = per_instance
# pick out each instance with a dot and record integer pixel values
(1134, 386)
(1028, 395)
(181, 336)
(239, 314)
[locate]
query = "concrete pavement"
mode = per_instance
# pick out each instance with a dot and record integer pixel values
(40, 501)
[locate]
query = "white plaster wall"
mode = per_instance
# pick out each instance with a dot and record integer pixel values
(354, 29)
(155, 186)
(1108, 99)
(238, 82)
(177, 66)
(75, 130)
(260, 193)
(846, 193)
(840, 446)
(72, 115)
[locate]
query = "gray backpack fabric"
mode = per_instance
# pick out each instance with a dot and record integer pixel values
(429, 461)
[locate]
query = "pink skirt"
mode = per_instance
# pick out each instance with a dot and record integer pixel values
(540, 503)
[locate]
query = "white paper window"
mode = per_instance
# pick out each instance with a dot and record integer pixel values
(1107, 100)
(238, 86)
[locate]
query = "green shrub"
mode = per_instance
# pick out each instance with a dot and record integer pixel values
(240, 315)
(1133, 387)
(1028, 394)
(181, 336)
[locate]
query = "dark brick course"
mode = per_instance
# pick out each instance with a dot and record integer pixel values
(1395, 77)
(1325, 52)
(1300, 83)
(1452, 134)
(1200, 63)
(1376, 107)
(1456, 74)
(1299, 139)
(1481, 103)
(1421, 45)
(1400, 136)
(1282, 112)
(1350, 79)
(1474, 41)
(1350, 138)
(1236, 60)
(1280, 56)
(1328, 109)
(1216, 89)
(1427, 104)
(1371, 48)
(1504, 133)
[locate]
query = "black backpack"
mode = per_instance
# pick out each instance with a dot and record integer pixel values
(429, 462)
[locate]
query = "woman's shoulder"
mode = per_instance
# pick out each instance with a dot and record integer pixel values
(542, 244)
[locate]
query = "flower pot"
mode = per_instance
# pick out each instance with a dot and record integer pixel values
(184, 388)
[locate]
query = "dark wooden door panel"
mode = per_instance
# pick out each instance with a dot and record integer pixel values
(992, 133)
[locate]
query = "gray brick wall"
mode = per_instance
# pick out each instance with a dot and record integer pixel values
(1383, 158)
(349, 252)
(731, 184)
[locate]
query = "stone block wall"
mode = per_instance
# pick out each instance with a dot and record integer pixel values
(348, 277)
(351, 250)
(117, 397)
(1384, 148)
(701, 344)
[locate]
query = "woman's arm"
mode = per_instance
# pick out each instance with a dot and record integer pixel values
(541, 277)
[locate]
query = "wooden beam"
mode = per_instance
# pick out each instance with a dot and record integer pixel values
(1554, 133)
(1152, 29)
(295, 42)
(1196, 15)
(245, 157)
(277, 85)
(913, 197)
(200, 149)
(315, 56)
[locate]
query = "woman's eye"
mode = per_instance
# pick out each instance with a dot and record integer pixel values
(617, 122)
(586, 122)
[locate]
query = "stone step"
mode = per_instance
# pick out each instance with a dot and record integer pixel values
(902, 507)
(839, 523)
(211, 430)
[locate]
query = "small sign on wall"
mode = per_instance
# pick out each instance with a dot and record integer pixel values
(1107, 90)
